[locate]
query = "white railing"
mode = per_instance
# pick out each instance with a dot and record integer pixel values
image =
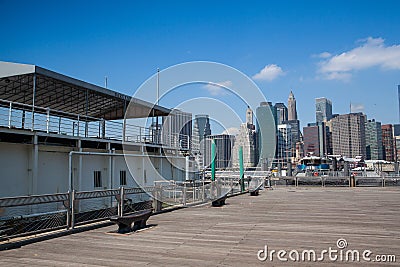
(15, 115)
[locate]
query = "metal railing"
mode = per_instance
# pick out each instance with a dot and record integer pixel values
(335, 181)
(16, 115)
(28, 215)
(33, 214)
(174, 193)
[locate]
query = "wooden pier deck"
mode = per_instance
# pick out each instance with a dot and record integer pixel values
(283, 218)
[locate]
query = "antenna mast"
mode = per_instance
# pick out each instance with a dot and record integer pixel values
(157, 102)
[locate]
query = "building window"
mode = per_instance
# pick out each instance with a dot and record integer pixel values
(97, 179)
(122, 177)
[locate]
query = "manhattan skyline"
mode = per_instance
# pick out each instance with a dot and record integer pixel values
(348, 52)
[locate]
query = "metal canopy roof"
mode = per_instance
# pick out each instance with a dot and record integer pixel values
(59, 92)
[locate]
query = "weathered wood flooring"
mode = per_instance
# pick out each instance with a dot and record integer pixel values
(283, 218)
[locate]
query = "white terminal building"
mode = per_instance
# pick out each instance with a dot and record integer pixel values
(45, 115)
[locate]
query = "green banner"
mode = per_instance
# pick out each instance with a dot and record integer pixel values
(213, 160)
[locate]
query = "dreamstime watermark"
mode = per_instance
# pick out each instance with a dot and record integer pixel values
(340, 253)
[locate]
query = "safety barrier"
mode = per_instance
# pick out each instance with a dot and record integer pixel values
(27, 215)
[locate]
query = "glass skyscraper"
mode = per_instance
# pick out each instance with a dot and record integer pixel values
(373, 140)
(203, 124)
(201, 129)
(266, 132)
(281, 113)
(323, 109)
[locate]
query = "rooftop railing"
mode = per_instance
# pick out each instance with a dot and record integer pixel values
(16, 115)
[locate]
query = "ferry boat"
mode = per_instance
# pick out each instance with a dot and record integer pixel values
(314, 163)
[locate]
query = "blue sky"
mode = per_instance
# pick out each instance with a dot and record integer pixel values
(348, 51)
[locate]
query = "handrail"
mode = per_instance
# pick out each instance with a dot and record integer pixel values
(19, 115)
(32, 200)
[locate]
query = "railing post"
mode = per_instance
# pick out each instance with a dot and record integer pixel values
(72, 209)
(47, 120)
(184, 194)
(68, 202)
(121, 202)
(203, 190)
(118, 197)
(194, 191)
(157, 195)
(187, 164)
(9, 115)
(33, 102)
(124, 130)
(103, 128)
(78, 126)
(86, 128)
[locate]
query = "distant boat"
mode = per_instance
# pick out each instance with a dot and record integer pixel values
(314, 163)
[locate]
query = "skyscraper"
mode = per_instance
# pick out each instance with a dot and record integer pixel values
(323, 109)
(373, 140)
(397, 145)
(348, 135)
(315, 139)
(201, 129)
(396, 129)
(203, 124)
(284, 148)
(292, 111)
(281, 113)
(310, 138)
(249, 116)
(294, 131)
(388, 142)
(245, 139)
(223, 153)
(266, 132)
(177, 128)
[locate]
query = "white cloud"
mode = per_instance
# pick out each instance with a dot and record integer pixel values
(344, 76)
(231, 131)
(371, 53)
(269, 73)
(324, 55)
(218, 88)
(355, 107)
